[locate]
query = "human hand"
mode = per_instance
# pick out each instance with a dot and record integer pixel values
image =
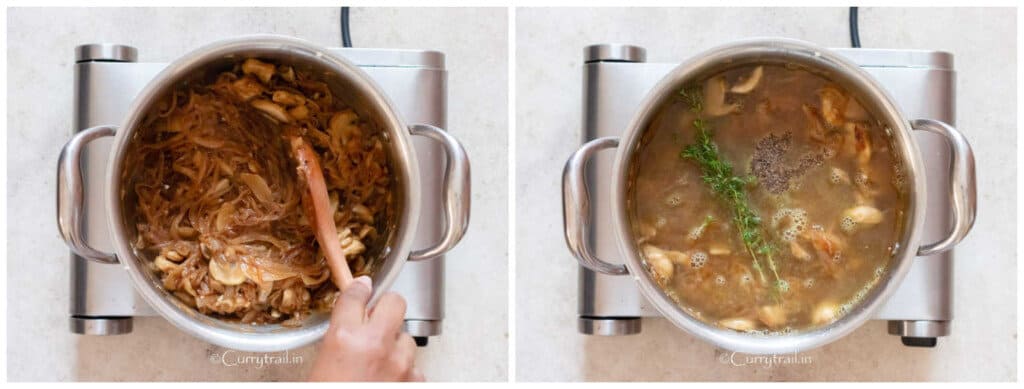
(366, 346)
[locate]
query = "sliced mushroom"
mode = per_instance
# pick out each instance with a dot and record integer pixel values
(299, 112)
(663, 267)
(749, 83)
(833, 105)
(366, 230)
(292, 299)
(164, 265)
(287, 73)
(714, 98)
(659, 263)
(673, 256)
(342, 125)
(863, 214)
(227, 273)
(363, 213)
(350, 244)
(645, 232)
(288, 99)
(174, 256)
(265, 288)
(738, 324)
(825, 313)
(826, 244)
(260, 69)
(275, 111)
(772, 316)
(862, 146)
(247, 87)
(813, 116)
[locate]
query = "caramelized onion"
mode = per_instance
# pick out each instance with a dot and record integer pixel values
(217, 204)
(258, 186)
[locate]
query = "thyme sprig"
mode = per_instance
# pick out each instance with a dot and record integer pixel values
(718, 175)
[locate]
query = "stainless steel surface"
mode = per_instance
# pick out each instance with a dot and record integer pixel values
(456, 186)
(792, 51)
(576, 207)
(71, 196)
(919, 328)
(107, 52)
(922, 84)
(609, 326)
(393, 58)
(614, 52)
(899, 58)
(100, 325)
(963, 191)
(415, 84)
(423, 327)
(103, 92)
(612, 91)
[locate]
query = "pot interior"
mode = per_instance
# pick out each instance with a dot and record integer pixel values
(635, 153)
(385, 257)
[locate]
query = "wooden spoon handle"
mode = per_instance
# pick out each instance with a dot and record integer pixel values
(318, 206)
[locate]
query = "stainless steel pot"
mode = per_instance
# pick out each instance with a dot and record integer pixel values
(577, 207)
(349, 83)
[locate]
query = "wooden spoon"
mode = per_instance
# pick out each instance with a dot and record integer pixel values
(318, 205)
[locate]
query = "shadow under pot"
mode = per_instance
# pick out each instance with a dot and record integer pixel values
(767, 196)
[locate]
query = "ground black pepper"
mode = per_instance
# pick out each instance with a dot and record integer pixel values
(769, 165)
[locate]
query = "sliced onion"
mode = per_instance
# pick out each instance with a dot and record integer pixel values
(210, 143)
(224, 216)
(258, 186)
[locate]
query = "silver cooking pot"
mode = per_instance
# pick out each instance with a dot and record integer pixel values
(349, 83)
(577, 207)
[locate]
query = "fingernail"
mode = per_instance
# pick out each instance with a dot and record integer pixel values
(365, 281)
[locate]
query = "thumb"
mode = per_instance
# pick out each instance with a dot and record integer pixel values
(350, 308)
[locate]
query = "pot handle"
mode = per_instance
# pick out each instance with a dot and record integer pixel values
(963, 191)
(456, 191)
(576, 207)
(70, 194)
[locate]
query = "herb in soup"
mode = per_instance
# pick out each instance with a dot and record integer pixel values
(718, 175)
(766, 199)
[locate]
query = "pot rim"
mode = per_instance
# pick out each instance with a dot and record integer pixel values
(869, 89)
(262, 338)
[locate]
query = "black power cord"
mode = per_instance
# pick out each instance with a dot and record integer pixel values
(346, 39)
(854, 30)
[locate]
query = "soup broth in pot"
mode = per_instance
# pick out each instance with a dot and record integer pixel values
(766, 198)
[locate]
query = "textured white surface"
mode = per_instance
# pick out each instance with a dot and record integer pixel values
(548, 75)
(41, 44)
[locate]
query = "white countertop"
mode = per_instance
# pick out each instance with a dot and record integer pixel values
(41, 55)
(549, 72)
